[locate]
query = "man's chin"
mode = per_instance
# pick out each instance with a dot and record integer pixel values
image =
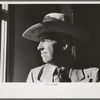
(45, 61)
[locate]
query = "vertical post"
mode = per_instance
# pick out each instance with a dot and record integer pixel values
(3, 44)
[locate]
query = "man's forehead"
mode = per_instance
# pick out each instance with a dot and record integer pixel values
(54, 36)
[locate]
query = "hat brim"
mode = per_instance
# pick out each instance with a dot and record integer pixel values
(34, 32)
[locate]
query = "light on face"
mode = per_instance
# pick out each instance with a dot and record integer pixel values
(46, 48)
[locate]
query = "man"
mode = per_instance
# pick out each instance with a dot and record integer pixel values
(57, 39)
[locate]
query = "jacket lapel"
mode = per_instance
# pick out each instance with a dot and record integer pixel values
(47, 74)
(76, 75)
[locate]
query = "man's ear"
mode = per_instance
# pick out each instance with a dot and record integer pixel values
(64, 45)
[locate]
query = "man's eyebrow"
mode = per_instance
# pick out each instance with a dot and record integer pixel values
(41, 40)
(45, 39)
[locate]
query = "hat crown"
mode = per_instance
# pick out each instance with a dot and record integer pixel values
(56, 17)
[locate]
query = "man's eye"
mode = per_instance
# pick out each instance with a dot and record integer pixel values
(47, 40)
(42, 40)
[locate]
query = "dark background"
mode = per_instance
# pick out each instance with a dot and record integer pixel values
(22, 54)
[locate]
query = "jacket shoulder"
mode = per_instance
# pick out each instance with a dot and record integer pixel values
(37, 69)
(34, 73)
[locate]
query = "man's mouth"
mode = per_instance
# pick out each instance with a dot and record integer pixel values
(43, 53)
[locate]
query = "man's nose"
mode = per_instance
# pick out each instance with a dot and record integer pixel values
(40, 46)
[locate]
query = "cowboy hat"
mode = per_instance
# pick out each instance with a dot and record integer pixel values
(59, 23)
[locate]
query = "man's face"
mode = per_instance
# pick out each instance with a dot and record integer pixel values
(46, 47)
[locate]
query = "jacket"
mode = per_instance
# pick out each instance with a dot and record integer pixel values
(45, 72)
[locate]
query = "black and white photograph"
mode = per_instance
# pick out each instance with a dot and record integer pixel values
(50, 43)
